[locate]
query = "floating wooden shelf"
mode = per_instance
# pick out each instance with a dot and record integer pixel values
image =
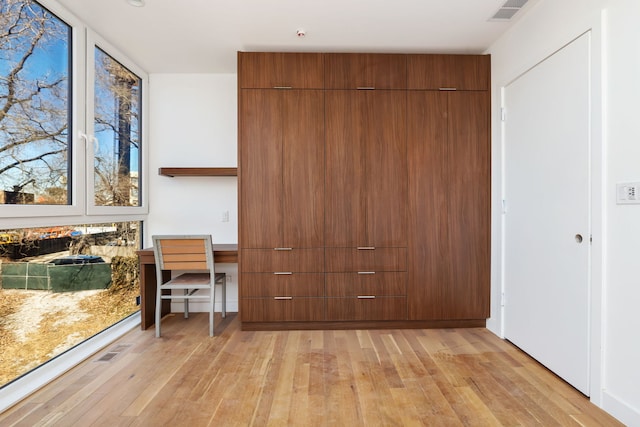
(198, 172)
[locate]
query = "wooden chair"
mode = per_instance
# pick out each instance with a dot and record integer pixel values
(193, 255)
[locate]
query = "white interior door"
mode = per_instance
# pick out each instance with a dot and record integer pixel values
(547, 221)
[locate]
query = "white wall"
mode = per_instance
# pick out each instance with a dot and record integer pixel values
(194, 123)
(547, 27)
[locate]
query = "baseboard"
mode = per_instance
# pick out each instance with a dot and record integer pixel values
(371, 324)
(624, 412)
(23, 386)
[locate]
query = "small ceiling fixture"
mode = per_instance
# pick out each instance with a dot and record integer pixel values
(136, 3)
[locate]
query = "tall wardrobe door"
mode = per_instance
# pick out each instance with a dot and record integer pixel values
(469, 211)
(261, 136)
(386, 139)
(345, 197)
(303, 168)
(429, 252)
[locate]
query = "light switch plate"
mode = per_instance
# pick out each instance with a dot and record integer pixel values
(628, 193)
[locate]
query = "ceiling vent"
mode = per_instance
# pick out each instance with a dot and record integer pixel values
(508, 9)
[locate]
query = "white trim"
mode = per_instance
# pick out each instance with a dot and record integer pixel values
(598, 188)
(20, 388)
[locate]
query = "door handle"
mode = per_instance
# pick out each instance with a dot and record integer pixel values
(578, 238)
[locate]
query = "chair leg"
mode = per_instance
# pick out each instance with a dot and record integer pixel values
(186, 304)
(211, 308)
(224, 298)
(158, 311)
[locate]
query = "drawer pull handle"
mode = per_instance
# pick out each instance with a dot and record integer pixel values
(282, 87)
(282, 249)
(366, 88)
(366, 297)
(447, 88)
(366, 272)
(283, 273)
(282, 298)
(366, 248)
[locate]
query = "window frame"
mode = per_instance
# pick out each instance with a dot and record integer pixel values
(77, 147)
(93, 40)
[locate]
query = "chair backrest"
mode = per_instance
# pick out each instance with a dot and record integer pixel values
(179, 252)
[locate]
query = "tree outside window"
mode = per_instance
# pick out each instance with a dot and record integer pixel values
(117, 130)
(35, 105)
(35, 114)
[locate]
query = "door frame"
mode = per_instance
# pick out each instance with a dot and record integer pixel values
(596, 203)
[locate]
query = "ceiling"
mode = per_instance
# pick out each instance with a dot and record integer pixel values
(203, 36)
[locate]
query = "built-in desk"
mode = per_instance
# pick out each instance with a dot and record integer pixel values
(223, 253)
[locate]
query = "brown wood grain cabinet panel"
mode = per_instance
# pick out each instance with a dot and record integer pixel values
(353, 284)
(280, 69)
(428, 251)
(460, 72)
(366, 178)
(274, 285)
(469, 199)
(449, 211)
(386, 157)
(346, 174)
(282, 310)
(282, 168)
(353, 260)
(270, 260)
(379, 308)
(303, 168)
(365, 70)
(261, 136)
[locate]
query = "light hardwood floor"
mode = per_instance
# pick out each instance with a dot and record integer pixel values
(452, 377)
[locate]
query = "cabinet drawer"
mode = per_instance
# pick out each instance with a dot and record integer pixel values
(262, 70)
(282, 285)
(459, 72)
(271, 260)
(282, 310)
(366, 260)
(378, 308)
(378, 284)
(365, 70)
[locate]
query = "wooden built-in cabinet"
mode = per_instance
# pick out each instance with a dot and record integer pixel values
(448, 72)
(260, 70)
(366, 283)
(363, 190)
(449, 192)
(281, 197)
(366, 148)
(365, 71)
(282, 163)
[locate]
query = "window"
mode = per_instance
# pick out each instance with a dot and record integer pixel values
(60, 286)
(35, 110)
(115, 111)
(71, 118)
(72, 112)
(117, 132)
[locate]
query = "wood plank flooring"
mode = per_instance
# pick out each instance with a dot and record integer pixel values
(450, 377)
